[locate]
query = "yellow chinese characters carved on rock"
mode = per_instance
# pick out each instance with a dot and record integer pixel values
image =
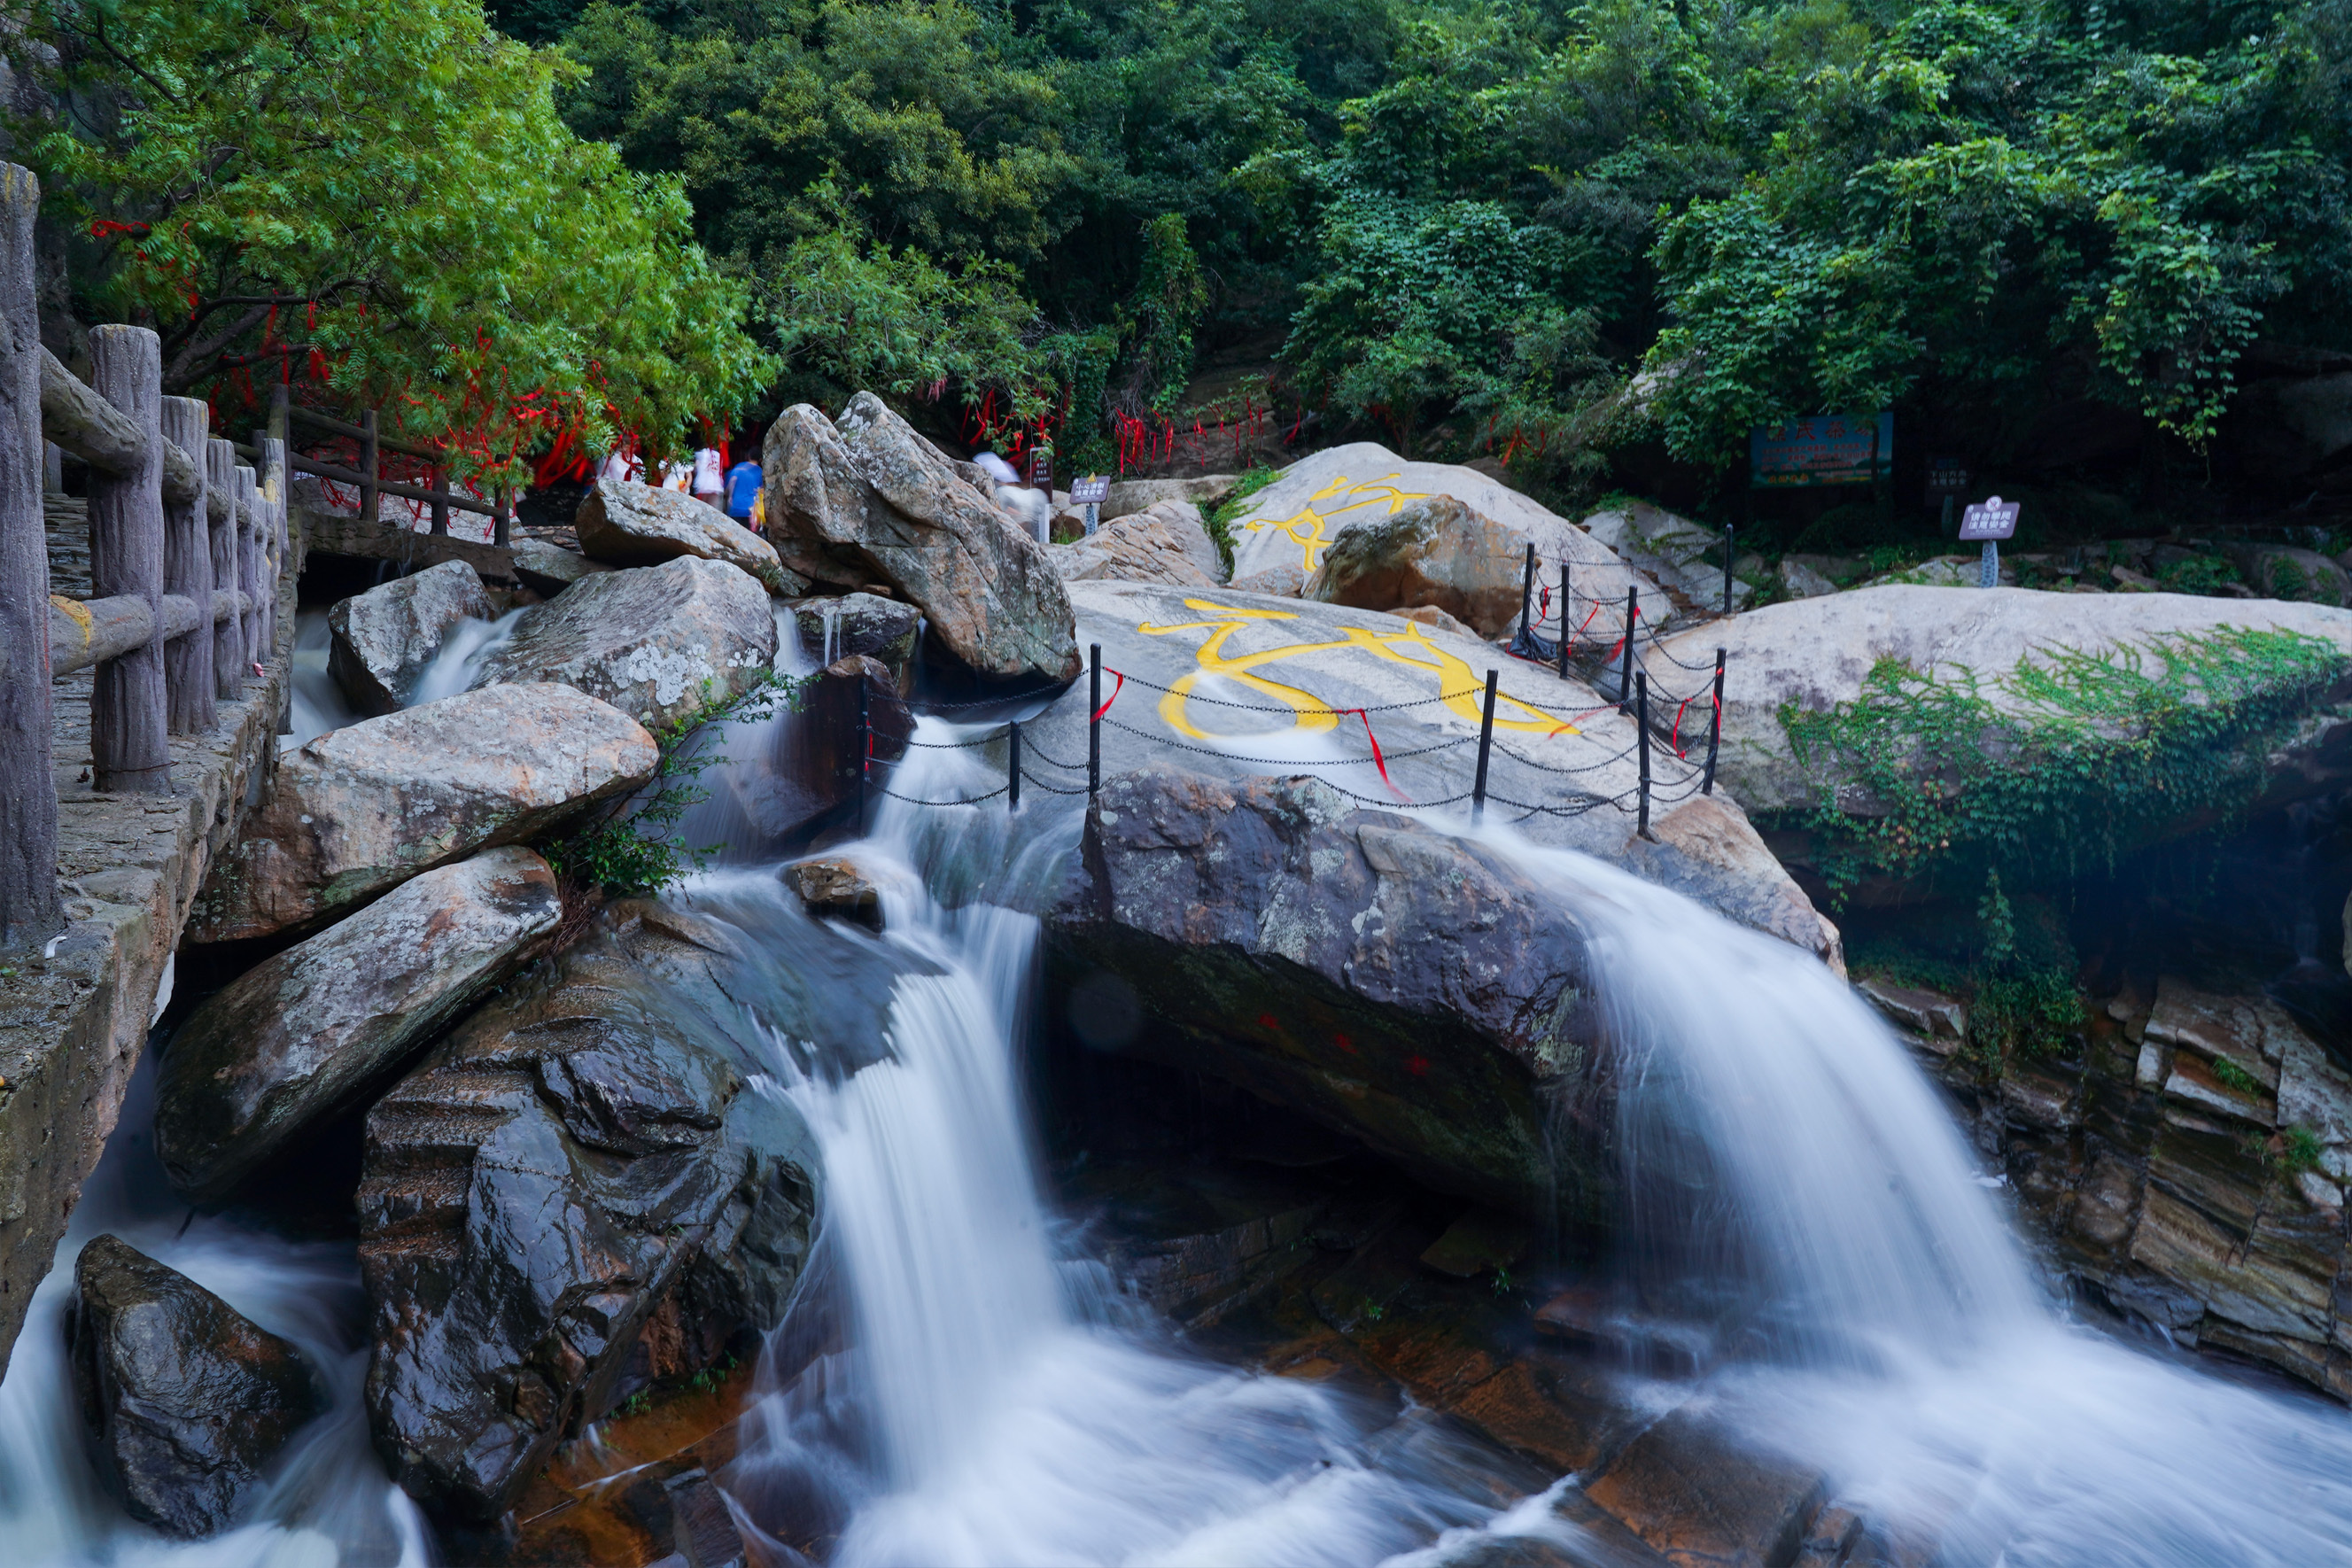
(1463, 689)
(1306, 528)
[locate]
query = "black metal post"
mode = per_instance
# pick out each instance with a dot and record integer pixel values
(864, 751)
(1641, 721)
(1012, 767)
(1527, 606)
(1715, 726)
(1565, 605)
(1726, 568)
(1094, 720)
(1486, 741)
(1626, 676)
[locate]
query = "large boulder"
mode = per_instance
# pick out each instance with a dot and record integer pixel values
(184, 1400)
(362, 809)
(659, 643)
(1293, 522)
(624, 523)
(582, 1154)
(836, 627)
(1235, 685)
(1431, 552)
(307, 1035)
(1413, 990)
(384, 639)
(1206, 493)
(1164, 543)
(870, 501)
(808, 772)
(1819, 655)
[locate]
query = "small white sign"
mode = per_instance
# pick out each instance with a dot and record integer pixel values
(1992, 518)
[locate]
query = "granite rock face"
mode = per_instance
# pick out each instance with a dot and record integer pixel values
(183, 1400)
(659, 643)
(624, 523)
(362, 809)
(807, 774)
(1396, 983)
(1432, 551)
(869, 501)
(582, 1154)
(307, 1035)
(384, 639)
(833, 627)
(1163, 543)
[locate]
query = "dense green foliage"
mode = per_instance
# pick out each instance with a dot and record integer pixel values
(379, 199)
(2055, 769)
(1469, 226)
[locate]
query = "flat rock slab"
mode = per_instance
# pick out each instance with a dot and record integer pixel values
(307, 1035)
(548, 569)
(1702, 1499)
(183, 1400)
(1165, 543)
(1291, 523)
(659, 643)
(624, 523)
(870, 501)
(384, 639)
(362, 809)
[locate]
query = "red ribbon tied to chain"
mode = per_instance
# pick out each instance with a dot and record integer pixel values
(1377, 761)
(1108, 700)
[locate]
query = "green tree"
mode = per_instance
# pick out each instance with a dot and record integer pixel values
(379, 197)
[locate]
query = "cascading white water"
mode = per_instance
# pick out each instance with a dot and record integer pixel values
(1901, 1342)
(459, 663)
(329, 1501)
(1006, 1407)
(318, 704)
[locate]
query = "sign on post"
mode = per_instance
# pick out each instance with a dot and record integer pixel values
(1946, 477)
(1991, 520)
(1041, 468)
(1826, 450)
(1090, 493)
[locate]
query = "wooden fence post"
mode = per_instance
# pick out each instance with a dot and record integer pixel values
(500, 528)
(30, 907)
(128, 750)
(188, 572)
(229, 637)
(248, 564)
(437, 480)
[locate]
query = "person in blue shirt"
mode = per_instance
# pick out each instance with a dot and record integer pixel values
(743, 482)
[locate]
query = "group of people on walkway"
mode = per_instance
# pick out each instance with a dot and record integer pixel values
(706, 477)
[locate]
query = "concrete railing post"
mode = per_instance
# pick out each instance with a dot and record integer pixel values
(128, 749)
(30, 906)
(273, 456)
(188, 572)
(229, 637)
(249, 558)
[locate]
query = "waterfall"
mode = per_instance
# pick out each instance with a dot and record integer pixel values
(1794, 1174)
(457, 664)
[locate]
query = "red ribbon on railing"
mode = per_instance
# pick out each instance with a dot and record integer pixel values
(1377, 761)
(1108, 700)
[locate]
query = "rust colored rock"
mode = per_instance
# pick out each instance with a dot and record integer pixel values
(1434, 551)
(835, 888)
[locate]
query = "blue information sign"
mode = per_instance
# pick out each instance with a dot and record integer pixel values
(1826, 450)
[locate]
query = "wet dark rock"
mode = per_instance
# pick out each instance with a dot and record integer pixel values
(580, 1154)
(883, 630)
(659, 643)
(1391, 982)
(306, 1035)
(183, 1400)
(384, 639)
(871, 501)
(811, 776)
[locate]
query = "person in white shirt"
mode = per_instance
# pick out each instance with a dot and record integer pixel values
(620, 466)
(709, 486)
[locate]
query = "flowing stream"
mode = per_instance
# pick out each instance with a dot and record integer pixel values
(959, 1384)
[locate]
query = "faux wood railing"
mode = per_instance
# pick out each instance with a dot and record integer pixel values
(187, 547)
